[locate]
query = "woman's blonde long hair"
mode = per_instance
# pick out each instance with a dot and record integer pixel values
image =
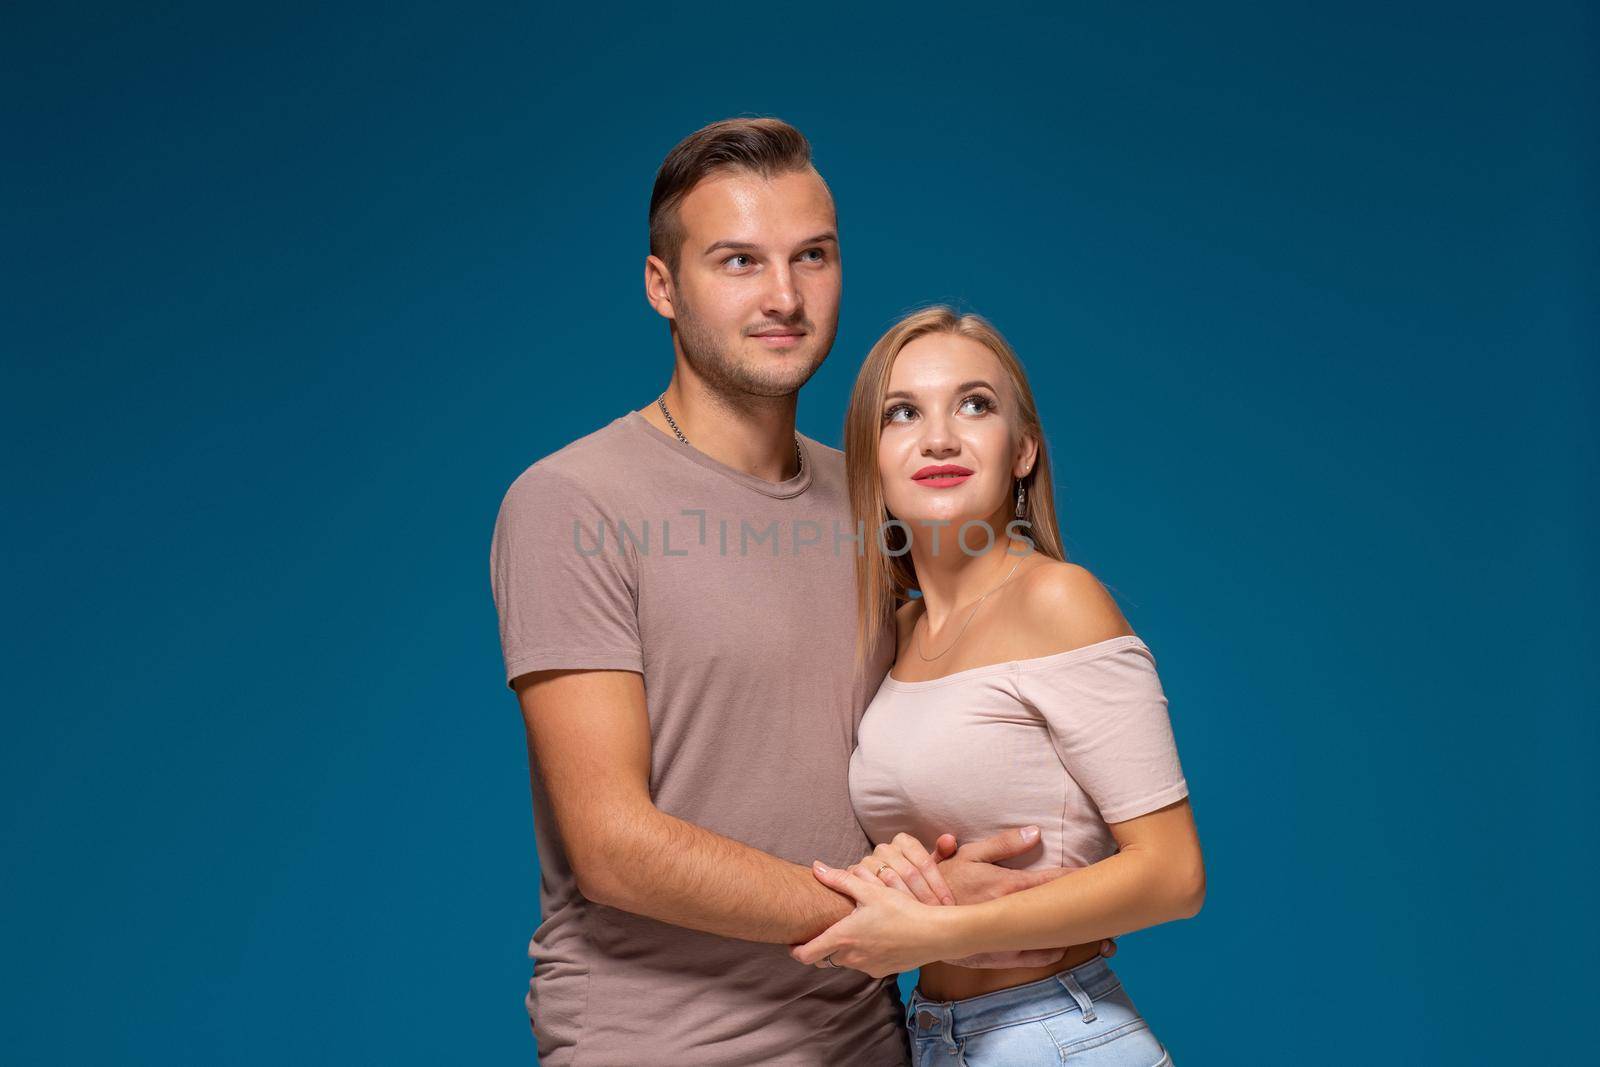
(884, 580)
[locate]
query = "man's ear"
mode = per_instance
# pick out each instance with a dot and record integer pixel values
(658, 286)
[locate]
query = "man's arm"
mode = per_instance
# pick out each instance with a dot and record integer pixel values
(589, 741)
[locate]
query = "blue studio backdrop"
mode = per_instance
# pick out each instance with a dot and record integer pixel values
(294, 291)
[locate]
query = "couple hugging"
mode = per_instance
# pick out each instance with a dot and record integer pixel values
(766, 777)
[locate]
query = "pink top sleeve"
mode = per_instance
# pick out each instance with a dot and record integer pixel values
(1107, 718)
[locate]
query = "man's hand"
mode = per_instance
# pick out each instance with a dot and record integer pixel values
(905, 865)
(973, 876)
(971, 872)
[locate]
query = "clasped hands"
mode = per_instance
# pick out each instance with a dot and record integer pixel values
(900, 891)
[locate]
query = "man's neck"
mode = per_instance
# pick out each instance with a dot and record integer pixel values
(757, 439)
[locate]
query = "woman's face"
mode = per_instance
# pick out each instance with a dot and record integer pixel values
(949, 404)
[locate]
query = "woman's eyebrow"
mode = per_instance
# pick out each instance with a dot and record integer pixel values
(964, 386)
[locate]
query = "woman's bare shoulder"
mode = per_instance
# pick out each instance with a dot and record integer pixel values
(1061, 606)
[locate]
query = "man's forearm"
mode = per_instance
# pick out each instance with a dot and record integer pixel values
(674, 871)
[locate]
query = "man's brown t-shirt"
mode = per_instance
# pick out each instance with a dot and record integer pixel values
(734, 597)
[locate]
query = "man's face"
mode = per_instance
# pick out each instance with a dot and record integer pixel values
(755, 297)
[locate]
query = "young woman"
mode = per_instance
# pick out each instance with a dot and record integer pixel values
(1019, 696)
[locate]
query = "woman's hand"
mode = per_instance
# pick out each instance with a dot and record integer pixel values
(890, 931)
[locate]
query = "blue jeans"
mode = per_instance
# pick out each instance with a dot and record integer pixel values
(1079, 1016)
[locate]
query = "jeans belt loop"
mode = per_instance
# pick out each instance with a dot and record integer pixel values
(1084, 1003)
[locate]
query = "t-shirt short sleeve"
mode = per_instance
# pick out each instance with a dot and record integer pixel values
(564, 586)
(1107, 717)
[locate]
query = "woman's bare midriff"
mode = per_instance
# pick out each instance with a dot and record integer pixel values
(941, 981)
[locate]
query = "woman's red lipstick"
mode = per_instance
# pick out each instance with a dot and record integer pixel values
(943, 476)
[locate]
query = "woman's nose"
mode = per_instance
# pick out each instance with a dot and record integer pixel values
(937, 440)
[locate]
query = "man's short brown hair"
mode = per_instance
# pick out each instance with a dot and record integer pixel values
(766, 146)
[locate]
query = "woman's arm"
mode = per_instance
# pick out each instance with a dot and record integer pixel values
(1156, 877)
(1113, 736)
(1109, 726)
(905, 865)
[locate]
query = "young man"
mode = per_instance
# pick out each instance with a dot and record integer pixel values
(676, 603)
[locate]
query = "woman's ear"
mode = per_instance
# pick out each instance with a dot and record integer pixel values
(1027, 454)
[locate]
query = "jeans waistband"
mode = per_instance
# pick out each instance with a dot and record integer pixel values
(959, 1018)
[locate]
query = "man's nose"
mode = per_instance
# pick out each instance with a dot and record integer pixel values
(782, 295)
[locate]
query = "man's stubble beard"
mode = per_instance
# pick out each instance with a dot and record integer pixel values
(735, 379)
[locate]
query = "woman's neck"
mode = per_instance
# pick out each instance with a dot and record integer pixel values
(952, 580)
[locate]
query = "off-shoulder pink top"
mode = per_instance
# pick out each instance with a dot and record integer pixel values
(1068, 742)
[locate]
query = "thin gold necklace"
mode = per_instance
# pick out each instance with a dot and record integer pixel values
(917, 643)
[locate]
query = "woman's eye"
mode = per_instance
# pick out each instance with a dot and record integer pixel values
(889, 416)
(983, 400)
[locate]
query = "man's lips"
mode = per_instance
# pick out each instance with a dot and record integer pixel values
(779, 338)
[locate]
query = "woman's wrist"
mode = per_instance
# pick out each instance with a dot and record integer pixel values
(956, 929)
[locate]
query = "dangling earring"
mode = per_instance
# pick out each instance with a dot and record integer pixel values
(1022, 498)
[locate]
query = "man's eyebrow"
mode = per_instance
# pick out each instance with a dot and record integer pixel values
(751, 245)
(963, 387)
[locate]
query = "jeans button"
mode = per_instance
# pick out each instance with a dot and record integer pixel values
(927, 1020)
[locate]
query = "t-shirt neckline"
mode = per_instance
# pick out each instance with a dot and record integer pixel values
(1054, 659)
(781, 490)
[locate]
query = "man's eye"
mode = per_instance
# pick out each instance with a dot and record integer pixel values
(817, 252)
(730, 260)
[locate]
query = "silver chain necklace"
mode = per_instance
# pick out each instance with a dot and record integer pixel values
(917, 644)
(799, 457)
